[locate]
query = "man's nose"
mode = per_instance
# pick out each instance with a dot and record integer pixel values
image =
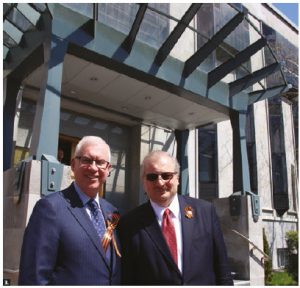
(160, 180)
(93, 166)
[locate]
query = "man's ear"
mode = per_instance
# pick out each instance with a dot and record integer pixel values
(72, 164)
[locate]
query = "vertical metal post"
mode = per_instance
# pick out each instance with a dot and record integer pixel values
(182, 157)
(47, 117)
(241, 175)
(9, 110)
(241, 172)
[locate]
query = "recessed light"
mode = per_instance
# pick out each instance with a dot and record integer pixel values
(72, 92)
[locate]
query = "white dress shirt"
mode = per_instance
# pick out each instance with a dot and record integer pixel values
(176, 218)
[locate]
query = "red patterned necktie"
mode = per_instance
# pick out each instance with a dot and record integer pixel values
(168, 231)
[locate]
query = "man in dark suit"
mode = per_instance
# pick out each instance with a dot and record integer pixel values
(171, 239)
(62, 242)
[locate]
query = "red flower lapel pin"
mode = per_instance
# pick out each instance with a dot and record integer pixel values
(189, 212)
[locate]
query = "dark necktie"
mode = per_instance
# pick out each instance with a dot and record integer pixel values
(168, 231)
(97, 218)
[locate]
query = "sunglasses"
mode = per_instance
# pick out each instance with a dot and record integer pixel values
(165, 176)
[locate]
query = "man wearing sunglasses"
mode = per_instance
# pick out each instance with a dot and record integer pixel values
(171, 239)
(66, 240)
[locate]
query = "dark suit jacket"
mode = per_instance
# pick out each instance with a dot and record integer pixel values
(146, 259)
(61, 245)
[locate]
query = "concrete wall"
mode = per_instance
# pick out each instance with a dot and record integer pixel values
(225, 162)
(273, 20)
(263, 154)
(17, 208)
(245, 261)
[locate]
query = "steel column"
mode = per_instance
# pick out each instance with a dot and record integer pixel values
(47, 117)
(9, 110)
(182, 157)
(241, 175)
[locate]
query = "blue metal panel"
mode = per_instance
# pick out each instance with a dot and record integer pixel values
(52, 172)
(46, 123)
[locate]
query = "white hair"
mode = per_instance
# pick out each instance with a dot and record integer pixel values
(159, 152)
(91, 140)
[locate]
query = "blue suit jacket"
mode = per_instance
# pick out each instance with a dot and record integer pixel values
(146, 259)
(61, 245)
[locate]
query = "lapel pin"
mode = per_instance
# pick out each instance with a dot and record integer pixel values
(108, 237)
(189, 212)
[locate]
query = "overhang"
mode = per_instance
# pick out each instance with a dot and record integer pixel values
(143, 81)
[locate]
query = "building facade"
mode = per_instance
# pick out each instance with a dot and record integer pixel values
(216, 85)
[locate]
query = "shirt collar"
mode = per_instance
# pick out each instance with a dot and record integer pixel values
(83, 197)
(174, 207)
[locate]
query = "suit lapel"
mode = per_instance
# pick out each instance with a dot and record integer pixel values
(77, 209)
(154, 231)
(188, 228)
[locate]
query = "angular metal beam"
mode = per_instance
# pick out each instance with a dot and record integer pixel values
(170, 42)
(256, 96)
(243, 83)
(129, 40)
(221, 71)
(195, 60)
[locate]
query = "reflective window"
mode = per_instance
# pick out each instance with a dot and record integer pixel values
(212, 18)
(120, 16)
(205, 24)
(282, 257)
(251, 148)
(287, 55)
(83, 8)
(154, 28)
(279, 169)
(208, 161)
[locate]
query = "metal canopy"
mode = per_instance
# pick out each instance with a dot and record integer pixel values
(195, 60)
(221, 71)
(170, 42)
(20, 19)
(243, 83)
(129, 41)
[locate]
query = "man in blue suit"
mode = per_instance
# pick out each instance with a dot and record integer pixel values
(61, 245)
(171, 239)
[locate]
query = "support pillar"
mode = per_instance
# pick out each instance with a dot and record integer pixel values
(9, 110)
(47, 117)
(182, 157)
(241, 175)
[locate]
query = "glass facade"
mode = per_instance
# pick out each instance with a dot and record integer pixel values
(287, 55)
(154, 28)
(251, 149)
(211, 18)
(279, 169)
(208, 162)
